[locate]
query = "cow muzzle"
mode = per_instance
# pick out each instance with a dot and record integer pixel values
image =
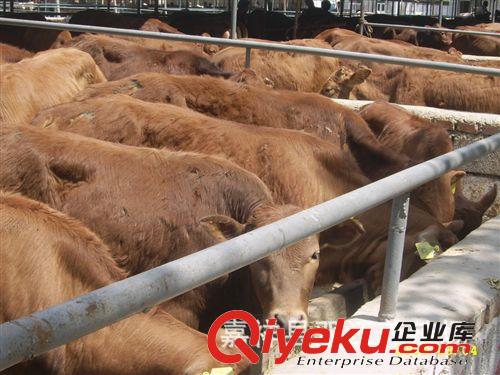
(289, 321)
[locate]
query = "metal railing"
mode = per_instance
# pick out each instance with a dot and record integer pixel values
(69, 321)
(249, 44)
(442, 30)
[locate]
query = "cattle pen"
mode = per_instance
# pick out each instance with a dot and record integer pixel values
(40, 332)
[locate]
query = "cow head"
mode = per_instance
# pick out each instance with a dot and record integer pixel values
(210, 49)
(436, 197)
(340, 84)
(283, 280)
(434, 39)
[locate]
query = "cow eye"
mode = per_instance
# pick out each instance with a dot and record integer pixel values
(315, 256)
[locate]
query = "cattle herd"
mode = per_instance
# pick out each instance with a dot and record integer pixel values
(121, 154)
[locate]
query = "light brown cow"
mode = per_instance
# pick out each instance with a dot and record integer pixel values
(120, 58)
(420, 140)
(47, 79)
(11, 54)
(152, 206)
(261, 106)
(286, 70)
(52, 259)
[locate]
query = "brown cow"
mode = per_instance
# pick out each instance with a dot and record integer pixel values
(420, 140)
(417, 86)
(364, 257)
(47, 79)
(120, 58)
(286, 69)
(481, 45)
(424, 38)
(11, 54)
(152, 206)
(68, 261)
(261, 106)
(319, 172)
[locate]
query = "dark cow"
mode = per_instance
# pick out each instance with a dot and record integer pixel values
(33, 39)
(262, 106)
(152, 206)
(120, 58)
(68, 261)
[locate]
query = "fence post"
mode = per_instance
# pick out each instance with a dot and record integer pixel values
(394, 257)
(248, 52)
(234, 13)
(362, 18)
(440, 12)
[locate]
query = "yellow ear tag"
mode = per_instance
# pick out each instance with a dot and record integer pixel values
(426, 251)
(220, 371)
(453, 188)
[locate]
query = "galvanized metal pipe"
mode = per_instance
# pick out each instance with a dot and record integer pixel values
(71, 320)
(394, 257)
(442, 30)
(440, 12)
(258, 45)
(248, 54)
(362, 18)
(234, 19)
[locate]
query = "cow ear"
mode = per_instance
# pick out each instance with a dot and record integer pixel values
(455, 225)
(360, 75)
(457, 175)
(342, 235)
(221, 225)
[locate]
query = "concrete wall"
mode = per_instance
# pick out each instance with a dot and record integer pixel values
(459, 286)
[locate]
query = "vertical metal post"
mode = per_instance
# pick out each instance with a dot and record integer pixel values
(139, 5)
(4, 6)
(298, 6)
(108, 5)
(494, 11)
(233, 19)
(362, 18)
(394, 257)
(12, 6)
(248, 52)
(156, 7)
(440, 12)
